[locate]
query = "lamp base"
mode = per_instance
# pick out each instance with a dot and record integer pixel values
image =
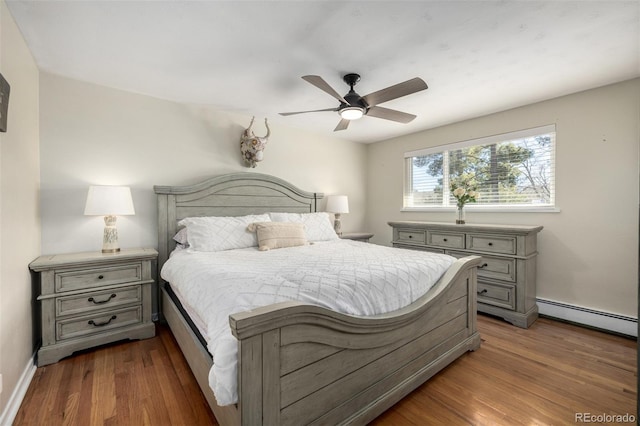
(110, 236)
(337, 225)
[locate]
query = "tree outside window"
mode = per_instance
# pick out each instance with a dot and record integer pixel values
(511, 170)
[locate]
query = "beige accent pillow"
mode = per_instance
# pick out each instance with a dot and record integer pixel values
(273, 235)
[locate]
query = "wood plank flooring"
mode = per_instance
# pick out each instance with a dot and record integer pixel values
(540, 376)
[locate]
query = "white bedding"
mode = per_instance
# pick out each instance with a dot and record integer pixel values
(346, 276)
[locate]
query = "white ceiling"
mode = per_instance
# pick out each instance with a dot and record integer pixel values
(247, 57)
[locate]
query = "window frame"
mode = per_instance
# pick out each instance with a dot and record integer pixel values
(487, 140)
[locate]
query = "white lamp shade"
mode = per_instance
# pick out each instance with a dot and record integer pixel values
(337, 204)
(109, 201)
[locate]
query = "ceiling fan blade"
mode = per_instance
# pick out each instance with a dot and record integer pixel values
(342, 125)
(396, 91)
(390, 114)
(304, 112)
(317, 81)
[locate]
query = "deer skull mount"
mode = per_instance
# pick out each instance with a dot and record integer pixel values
(252, 146)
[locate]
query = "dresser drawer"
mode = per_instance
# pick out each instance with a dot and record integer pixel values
(445, 239)
(419, 248)
(98, 323)
(95, 300)
(492, 243)
(501, 295)
(500, 268)
(411, 236)
(96, 277)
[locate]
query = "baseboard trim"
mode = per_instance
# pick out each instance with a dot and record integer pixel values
(11, 410)
(590, 317)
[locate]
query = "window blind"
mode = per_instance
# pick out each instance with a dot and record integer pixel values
(511, 169)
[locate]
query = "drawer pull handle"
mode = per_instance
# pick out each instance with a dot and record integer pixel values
(444, 239)
(489, 244)
(102, 324)
(484, 265)
(100, 277)
(410, 236)
(482, 292)
(100, 302)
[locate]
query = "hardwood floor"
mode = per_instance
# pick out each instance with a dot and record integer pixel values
(541, 376)
(145, 382)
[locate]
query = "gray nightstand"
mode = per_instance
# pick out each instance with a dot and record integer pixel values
(357, 236)
(89, 299)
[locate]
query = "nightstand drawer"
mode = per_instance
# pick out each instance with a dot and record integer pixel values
(95, 300)
(501, 295)
(501, 268)
(411, 236)
(493, 244)
(98, 323)
(96, 277)
(445, 239)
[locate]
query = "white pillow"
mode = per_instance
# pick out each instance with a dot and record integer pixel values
(221, 233)
(317, 226)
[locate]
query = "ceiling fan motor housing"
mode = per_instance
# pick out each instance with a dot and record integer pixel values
(352, 97)
(354, 100)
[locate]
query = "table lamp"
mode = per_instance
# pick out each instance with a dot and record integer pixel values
(110, 202)
(337, 204)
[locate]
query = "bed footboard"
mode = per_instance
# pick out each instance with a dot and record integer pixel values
(302, 364)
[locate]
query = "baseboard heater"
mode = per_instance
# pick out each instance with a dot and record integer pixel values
(607, 321)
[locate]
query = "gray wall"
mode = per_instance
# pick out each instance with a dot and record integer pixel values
(589, 250)
(19, 209)
(93, 135)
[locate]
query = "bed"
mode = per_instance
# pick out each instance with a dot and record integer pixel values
(304, 364)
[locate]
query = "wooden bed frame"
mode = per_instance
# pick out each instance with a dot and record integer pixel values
(301, 364)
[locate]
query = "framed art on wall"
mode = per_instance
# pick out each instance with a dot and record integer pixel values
(4, 103)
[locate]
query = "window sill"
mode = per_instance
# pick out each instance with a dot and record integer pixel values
(479, 209)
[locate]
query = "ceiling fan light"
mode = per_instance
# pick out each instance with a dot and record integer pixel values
(351, 113)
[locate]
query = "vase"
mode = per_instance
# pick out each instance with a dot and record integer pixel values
(460, 215)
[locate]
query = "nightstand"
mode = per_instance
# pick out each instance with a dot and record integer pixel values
(93, 298)
(357, 236)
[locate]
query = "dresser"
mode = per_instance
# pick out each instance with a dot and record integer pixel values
(507, 273)
(93, 298)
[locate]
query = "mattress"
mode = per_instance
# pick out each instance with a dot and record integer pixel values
(346, 276)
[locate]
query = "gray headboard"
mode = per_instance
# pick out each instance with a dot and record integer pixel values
(236, 194)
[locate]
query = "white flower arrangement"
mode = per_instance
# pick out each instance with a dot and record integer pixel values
(464, 194)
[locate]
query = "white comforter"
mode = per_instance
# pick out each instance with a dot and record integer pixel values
(346, 276)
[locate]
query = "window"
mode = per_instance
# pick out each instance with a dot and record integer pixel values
(509, 171)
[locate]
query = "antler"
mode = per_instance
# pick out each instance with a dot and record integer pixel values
(268, 130)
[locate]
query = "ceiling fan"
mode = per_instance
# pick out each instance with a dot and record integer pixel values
(353, 106)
